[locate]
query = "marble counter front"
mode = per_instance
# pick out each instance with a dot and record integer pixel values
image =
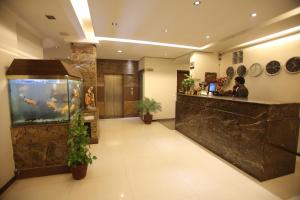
(259, 137)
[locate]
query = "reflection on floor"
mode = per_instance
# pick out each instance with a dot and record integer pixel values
(141, 162)
(169, 123)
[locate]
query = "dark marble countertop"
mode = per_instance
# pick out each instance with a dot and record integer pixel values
(246, 100)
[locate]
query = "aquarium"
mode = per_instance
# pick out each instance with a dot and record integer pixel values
(40, 101)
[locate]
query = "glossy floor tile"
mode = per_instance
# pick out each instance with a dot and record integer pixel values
(151, 162)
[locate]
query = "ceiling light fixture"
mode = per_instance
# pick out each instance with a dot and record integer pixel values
(114, 24)
(253, 14)
(120, 51)
(50, 17)
(151, 43)
(166, 30)
(197, 3)
(272, 36)
(82, 11)
(207, 37)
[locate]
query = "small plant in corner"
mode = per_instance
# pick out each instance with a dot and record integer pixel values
(78, 142)
(146, 107)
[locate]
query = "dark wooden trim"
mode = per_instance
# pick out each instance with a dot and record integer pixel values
(43, 171)
(8, 184)
(167, 119)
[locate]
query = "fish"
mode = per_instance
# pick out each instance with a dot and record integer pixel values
(29, 101)
(52, 105)
(64, 109)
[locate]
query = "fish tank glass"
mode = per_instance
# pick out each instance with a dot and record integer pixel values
(42, 101)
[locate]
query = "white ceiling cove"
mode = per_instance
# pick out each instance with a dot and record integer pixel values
(227, 22)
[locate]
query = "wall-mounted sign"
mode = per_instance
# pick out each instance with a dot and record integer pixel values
(240, 57)
(293, 65)
(242, 70)
(255, 70)
(273, 67)
(192, 65)
(230, 72)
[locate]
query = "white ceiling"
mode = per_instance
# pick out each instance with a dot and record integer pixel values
(228, 23)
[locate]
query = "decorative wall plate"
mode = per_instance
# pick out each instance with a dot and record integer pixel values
(273, 67)
(230, 72)
(241, 70)
(293, 65)
(255, 70)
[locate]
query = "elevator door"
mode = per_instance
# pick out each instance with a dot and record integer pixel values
(113, 88)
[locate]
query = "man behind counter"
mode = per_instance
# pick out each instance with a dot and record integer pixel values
(239, 89)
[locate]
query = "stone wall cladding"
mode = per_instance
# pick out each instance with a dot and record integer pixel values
(85, 56)
(40, 145)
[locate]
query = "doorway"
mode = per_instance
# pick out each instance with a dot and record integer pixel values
(113, 96)
(180, 77)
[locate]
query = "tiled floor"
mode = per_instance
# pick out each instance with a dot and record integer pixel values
(152, 162)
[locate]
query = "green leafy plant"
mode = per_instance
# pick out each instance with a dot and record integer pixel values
(148, 106)
(78, 142)
(188, 82)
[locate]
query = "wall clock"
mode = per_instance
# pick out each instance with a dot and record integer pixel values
(230, 72)
(241, 70)
(273, 67)
(293, 65)
(255, 70)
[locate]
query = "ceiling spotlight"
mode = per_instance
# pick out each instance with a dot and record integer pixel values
(253, 14)
(197, 3)
(120, 51)
(114, 24)
(207, 37)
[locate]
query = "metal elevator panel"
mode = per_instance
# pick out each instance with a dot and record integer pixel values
(113, 87)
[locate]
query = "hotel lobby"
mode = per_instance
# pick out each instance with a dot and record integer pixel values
(149, 99)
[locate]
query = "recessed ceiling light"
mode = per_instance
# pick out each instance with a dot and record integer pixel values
(114, 24)
(272, 36)
(197, 3)
(207, 37)
(50, 17)
(253, 14)
(82, 12)
(120, 51)
(151, 43)
(166, 30)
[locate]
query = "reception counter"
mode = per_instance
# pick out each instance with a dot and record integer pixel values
(258, 137)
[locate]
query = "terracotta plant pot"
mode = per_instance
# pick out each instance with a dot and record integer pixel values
(79, 171)
(148, 118)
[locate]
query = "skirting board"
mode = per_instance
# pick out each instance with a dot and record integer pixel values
(44, 171)
(6, 186)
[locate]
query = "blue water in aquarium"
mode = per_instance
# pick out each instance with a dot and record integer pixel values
(35, 101)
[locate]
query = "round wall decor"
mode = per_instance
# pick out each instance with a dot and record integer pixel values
(230, 72)
(255, 70)
(241, 70)
(273, 67)
(293, 65)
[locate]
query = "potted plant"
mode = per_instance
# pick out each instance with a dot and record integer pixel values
(78, 141)
(146, 107)
(188, 83)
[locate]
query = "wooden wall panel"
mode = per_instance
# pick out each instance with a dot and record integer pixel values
(129, 70)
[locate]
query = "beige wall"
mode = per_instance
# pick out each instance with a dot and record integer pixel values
(204, 62)
(282, 87)
(15, 42)
(160, 84)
